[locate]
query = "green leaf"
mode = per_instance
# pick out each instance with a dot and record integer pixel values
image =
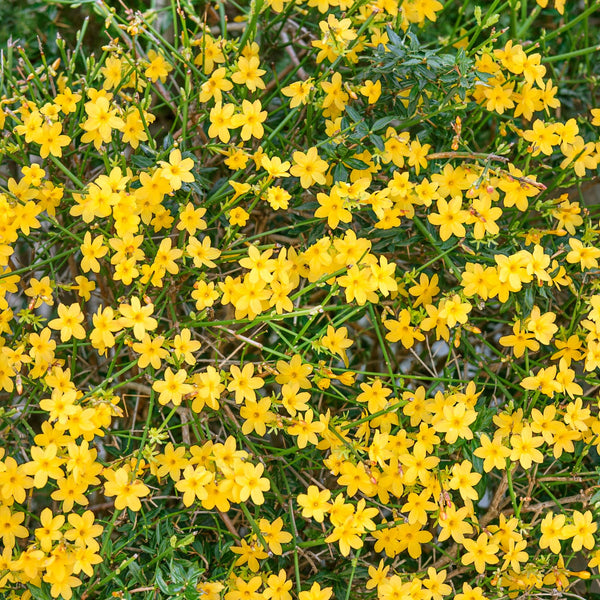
(161, 583)
(355, 163)
(340, 173)
(382, 122)
(377, 142)
(353, 114)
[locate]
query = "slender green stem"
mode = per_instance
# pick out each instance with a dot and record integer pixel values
(511, 489)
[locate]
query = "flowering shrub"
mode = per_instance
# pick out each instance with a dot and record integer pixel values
(300, 300)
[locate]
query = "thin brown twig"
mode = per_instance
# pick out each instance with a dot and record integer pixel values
(494, 509)
(473, 155)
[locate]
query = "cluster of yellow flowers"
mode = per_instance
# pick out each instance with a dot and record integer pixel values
(320, 332)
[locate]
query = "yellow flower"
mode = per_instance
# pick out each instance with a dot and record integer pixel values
(333, 208)
(309, 167)
(401, 330)
(184, 346)
(435, 585)
(193, 484)
(173, 388)
(493, 453)
(251, 120)
(470, 593)
(137, 316)
(582, 530)
(275, 167)
(238, 216)
(294, 371)
(453, 523)
(245, 590)
(51, 139)
(249, 74)
(454, 310)
(336, 341)
(568, 215)
(525, 448)
(359, 284)
(542, 325)
(222, 119)
(151, 351)
(278, 586)
(92, 250)
(127, 490)
(418, 464)
(244, 383)
(158, 68)
(519, 341)
(542, 137)
(252, 484)
(306, 429)
(425, 290)
(371, 90)
(553, 530)
(544, 381)
(134, 131)
(250, 553)
(100, 122)
(498, 95)
(450, 217)
(299, 92)
(256, 415)
(112, 71)
(215, 85)
(315, 503)
(202, 252)
(417, 507)
(273, 535)
(455, 422)
(586, 256)
(177, 170)
(69, 322)
(316, 593)
(10, 527)
(480, 552)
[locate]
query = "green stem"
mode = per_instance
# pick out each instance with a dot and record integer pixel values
(423, 229)
(250, 30)
(254, 525)
(569, 55)
(66, 171)
(514, 5)
(375, 319)
(511, 490)
(586, 13)
(354, 564)
(528, 21)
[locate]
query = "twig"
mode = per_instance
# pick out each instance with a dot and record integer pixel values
(473, 155)
(540, 506)
(494, 509)
(289, 48)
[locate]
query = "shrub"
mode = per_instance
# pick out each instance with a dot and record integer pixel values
(300, 300)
